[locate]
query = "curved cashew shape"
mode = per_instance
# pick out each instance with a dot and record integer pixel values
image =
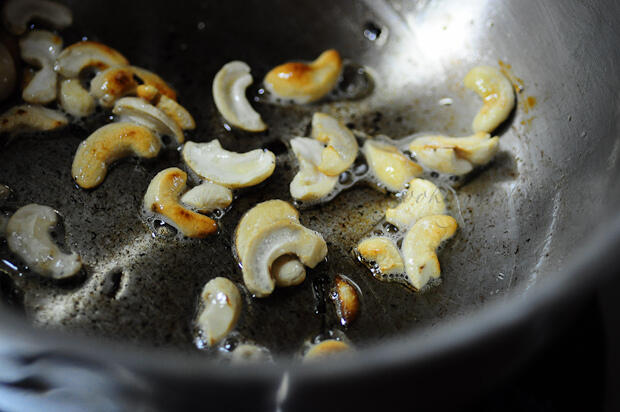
(85, 54)
(497, 95)
(162, 197)
(229, 87)
(136, 110)
(384, 252)
(309, 183)
(176, 112)
(207, 197)
(28, 236)
(40, 48)
(287, 270)
(18, 13)
(111, 84)
(282, 237)
(74, 99)
(389, 165)
(211, 162)
(27, 118)
(455, 155)
(107, 145)
(423, 198)
(421, 263)
(221, 306)
(305, 83)
(7, 73)
(342, 147)
(326, 349)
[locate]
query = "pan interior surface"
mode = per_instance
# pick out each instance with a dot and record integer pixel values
(520, 217)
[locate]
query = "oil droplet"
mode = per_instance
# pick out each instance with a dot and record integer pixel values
(372, 31)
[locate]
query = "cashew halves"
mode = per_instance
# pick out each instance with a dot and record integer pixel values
(326, 349)
(108, 144)
(40, 48)
(342, 147)
(497, 95)
(162, 197)
(136, 110)
(75, 99)
(310, 183)
(220, 309)
(27, 118)
(391, 167)
(28, 236)
(423, 198)
(384, 252)
(207, 197)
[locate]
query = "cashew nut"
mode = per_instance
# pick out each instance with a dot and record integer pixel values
(423, 198)
(389, 165)
(40, 48)
(342, 147)
(108, 144)
(176, 112)
(229, 87)
(162, 197)
(305, 82)
(497, 96)
(18, 13)
(419, 245)
(455, 155)
(309, 183)
(326, 349)
(111, 84)
(148, 93)
(136, 110)
(282, 237)
(28, 236)
(7, 73)
(384, 252)
(286, 270)
(346, 299)
(207, 197)
(210, 161)
(74, 99)
(81, 55)
(247, 353)
(221, 306)
(27, 118)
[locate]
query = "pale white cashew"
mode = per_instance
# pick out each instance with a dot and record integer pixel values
(27, 118)
(305, 82)
(81, 55)
(342, 147)
(497, 95)
(419, 245)
(423, 198)
(286, 270)
(113, 83)
(282, 237)
(162, 197)
(176, 112)
(346, 299)
(40, 48)
(326, 349)
(220, 309)
(136, 110)
(309, 183)
(248, 353)
(107, 145)
(392, 168)
(228, 89)
(74, 99)
(384, 252)
(7, 73)
(28, 236)
(207, 197)
(18, 13)
(455, 155)
(234, 170)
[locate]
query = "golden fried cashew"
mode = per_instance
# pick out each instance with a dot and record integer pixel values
(346, 300)
(107, 145)
(220, 309)
(423, 198)
(28, 236)
(228, 90)
(283, 237)
(18, 13)
(286, 270)
(8, 74)
(148, 93)
(207, 197)
(136, 110)
(74, 99)
(497, 96)
(81, 55)
(391, 167)
(162, 197)
(305, 82)
(31, 118)
(419, 245)
(309, 183)
(234, 170)
(326, 349)
(455, 155)
(40, 48)
(384, 252)
(111, 84)
(342, 147)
